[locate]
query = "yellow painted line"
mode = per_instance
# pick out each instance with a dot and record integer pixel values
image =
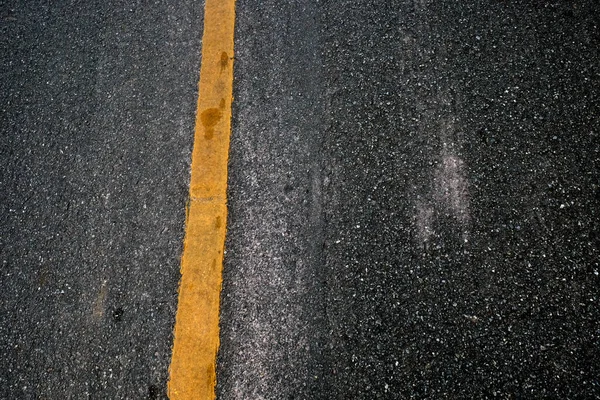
(196, 336)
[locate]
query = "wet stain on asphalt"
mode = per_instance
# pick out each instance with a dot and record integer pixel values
(209, 118)
(153, 392)
(224, 60)
(118, 314)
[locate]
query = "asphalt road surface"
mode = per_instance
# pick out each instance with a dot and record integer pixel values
(98, 107)
(414, 199)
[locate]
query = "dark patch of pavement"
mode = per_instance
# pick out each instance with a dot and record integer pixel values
(98, 105)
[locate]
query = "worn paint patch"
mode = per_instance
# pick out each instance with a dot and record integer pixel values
(447, 193)
(451, 188)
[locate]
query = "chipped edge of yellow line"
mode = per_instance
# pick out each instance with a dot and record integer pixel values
(192, 373)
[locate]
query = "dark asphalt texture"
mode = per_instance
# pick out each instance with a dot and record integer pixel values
(414, 198)
(98, 105)
(462, 236)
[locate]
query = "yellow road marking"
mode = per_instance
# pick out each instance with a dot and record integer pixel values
(196, 336)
